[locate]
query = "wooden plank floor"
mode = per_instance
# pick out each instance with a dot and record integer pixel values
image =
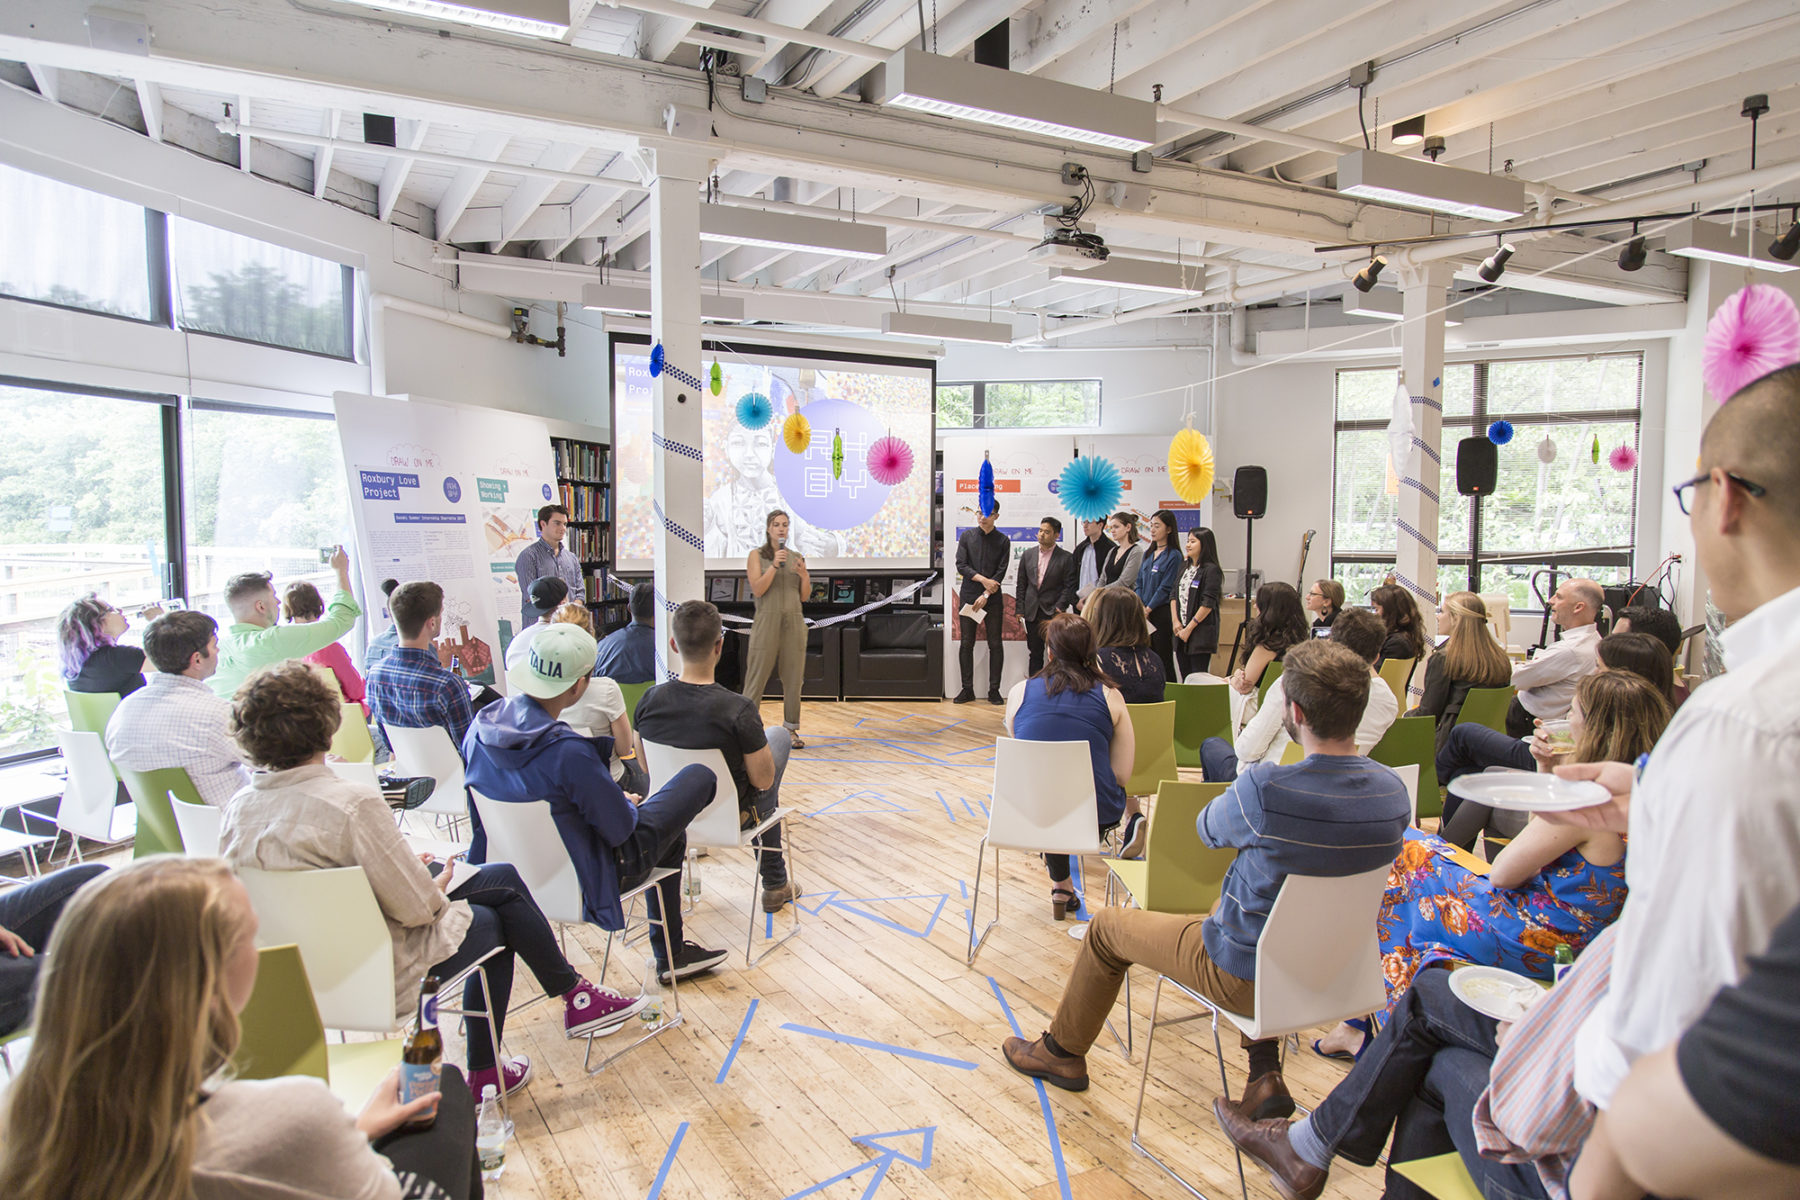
(890, 797)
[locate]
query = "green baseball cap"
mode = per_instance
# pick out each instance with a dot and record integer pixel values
(558, 656)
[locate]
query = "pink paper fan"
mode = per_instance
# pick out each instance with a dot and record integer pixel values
(1623, 458)
(1754, 332)
(890, 460)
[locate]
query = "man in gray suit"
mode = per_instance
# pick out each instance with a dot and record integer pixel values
(1046, 586)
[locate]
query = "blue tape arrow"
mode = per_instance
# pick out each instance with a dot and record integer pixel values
(885, 1156)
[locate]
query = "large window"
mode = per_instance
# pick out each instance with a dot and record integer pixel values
(1571, 514)
(78, 249)
(1025, 404)
(241, 288)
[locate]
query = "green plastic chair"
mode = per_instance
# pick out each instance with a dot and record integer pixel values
(156, 829)
(1443, 1177)
(633, 692)
(1271, 673)
(1202, 710)
(1486, 706)
(1153, 727)
(1414, 740)
(1292, 753)
(1397, 673)
(352, 742)
(281, 1034)
(1177, 873)
(90, 711)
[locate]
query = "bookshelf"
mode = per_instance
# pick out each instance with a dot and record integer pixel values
(582, 484)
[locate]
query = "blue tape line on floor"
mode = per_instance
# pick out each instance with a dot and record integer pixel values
(662, 1173)
(1062, 1170)
(886, 1048)
(731, 1055)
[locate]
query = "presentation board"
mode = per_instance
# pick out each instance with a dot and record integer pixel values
(842, 519)
(450, 494)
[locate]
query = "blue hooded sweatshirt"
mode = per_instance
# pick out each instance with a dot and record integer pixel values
(515, 753)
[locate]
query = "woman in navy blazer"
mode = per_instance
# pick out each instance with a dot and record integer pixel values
(1155, 586)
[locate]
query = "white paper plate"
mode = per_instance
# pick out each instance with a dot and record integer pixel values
(1495, 992)
(1522, 792)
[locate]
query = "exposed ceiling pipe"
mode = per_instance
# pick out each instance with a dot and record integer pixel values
(380, 301)
(721, 19)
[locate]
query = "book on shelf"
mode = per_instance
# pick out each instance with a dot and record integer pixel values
(584, 461)
(843, 591)
(721, 589)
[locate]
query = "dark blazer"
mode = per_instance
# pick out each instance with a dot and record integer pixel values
(1058, 591)
(1204, 591)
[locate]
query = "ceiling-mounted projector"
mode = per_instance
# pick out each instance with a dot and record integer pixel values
(1076, 247)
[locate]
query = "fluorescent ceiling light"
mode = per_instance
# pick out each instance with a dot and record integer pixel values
(948, 329)
(1169, 278)
(950, 87)
(530, 18)
(783, 231)
(1716, 243)
(606, 297)
(1383, 305)
(1410, 183)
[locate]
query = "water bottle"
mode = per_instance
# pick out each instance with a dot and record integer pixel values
(490, 1135)
(693, 877)
(652, 1012)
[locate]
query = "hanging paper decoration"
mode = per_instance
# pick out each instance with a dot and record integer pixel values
(1755, 331)
(656, 360)
(1623, 458)
(754, 410)
(1400, 430)
(718, 379)
(890, 460)
(1596, 452)
(1500, 432)
(1546, 450)
(837, 453)
(985, 487)
(1191, 466)
(796, 431)
(1090, 488)
(659, 362)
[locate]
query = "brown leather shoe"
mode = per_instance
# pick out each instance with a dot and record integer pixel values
(775, 899)
(1266, 1144)
(1034, 1059)
(1266, 1097)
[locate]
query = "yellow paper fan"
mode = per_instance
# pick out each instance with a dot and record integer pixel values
(1191, 466)
(796, 431)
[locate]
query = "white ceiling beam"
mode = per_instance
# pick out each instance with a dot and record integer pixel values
(1058, 28)
(586, 213)
(150, 105)
(393, 176)
(1773, 148)
(334, 119)
(1169, 31)
(531, 191)
(800, 14)
(663, 34)
(552, 222)
(1662, 279)
(461, 189)
(749, 47)
(241, 114)
(44, 78)
(953, 35)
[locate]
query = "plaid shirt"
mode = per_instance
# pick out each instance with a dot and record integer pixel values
(411, 690)
(176, 721)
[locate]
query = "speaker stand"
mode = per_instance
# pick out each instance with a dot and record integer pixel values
(1249, 582)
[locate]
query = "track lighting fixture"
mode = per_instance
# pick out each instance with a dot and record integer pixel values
(1409, 132)
(1434, 147)
(1494, 265)
(1634, 252)
(1788, 244)
(1365, 278)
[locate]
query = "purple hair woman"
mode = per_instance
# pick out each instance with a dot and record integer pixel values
(92, 659)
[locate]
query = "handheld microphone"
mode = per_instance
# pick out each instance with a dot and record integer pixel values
(781, 543)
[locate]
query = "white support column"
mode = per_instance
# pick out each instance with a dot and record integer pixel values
(1422, 373)
(678, 394)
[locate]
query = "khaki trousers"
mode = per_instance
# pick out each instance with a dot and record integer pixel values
(1167, 943)
(778, 648)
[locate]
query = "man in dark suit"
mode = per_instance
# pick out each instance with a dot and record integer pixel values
(1046, 586)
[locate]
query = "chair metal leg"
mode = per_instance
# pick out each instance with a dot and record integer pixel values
(1137, 1142)
(756, 853)
(668, 1022)
(975, 943)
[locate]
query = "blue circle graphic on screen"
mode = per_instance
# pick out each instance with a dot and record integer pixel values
(452, 489)
(806, 480)
(546, 491)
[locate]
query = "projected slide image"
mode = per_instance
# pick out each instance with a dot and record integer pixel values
(840, 515)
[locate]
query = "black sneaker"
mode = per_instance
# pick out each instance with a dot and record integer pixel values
(1131, 843)
(964, 697)
(996, 698)
(691, 960)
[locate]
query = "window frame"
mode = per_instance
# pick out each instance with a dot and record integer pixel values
(347, 285)
(978, 403)
(158, 277)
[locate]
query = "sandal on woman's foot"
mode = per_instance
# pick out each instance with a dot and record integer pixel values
(1361, 1025)
(1061, 901)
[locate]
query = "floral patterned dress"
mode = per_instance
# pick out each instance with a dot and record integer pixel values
(1438, 911)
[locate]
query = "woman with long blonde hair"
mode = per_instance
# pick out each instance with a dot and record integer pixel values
(127, 1091)
(1471, 658)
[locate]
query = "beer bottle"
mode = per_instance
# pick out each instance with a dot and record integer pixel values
(422, 1061)
(1565, 960)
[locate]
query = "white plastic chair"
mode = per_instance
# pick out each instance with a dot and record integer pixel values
(90, 807)
(200, 826)
(1044, 803)
(1318, 961)
(526, 836)
(355, 772)
(717, 827)
(430, 752)
(1409, 775)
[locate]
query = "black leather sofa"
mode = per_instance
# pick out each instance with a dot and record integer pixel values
(894, 655)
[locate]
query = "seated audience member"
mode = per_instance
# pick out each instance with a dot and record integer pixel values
(1547, 680)
(1324, 600)
(1469, 658)
(1334, 813)
(628, 655)
(28, 914)
(92, 659)
(128, 1092)
(695, 713)
(1659, 623)
(1122, 644)
(1400, 613)
(256, 640)
(543, 597)
(1713, 1116)
(1265, 737)
(383, 643)
(1643, 656)
(602, 707)
(1276, 624)
(1071, 700)
(302, 605)
(174, 720)
(298, 815)
(519, 752)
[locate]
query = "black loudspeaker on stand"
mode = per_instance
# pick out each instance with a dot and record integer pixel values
(1249, 500)
(1477, 474)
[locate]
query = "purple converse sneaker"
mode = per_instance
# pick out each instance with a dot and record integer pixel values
(588, 1010)
(518, 1074)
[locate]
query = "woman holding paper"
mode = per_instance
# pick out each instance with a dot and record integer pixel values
(779, 581)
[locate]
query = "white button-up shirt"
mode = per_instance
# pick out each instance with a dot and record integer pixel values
(1547, 682)
(176, 721)
(1715, 839)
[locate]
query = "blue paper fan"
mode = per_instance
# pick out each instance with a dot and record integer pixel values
(754, 410)
(1090, 488)
(985, 495)
(1500, 432)
(656, 360)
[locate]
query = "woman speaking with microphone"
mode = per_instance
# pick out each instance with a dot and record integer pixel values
(779, 581)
